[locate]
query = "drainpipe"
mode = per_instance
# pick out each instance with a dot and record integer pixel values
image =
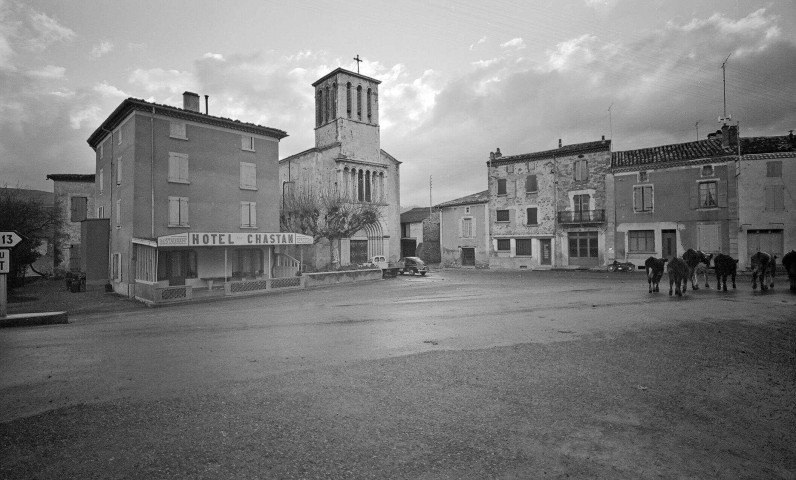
(110, 206)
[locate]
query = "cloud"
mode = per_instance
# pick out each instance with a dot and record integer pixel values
(517, 43)
(91, 115)
(50, 72)
(48, 31)
(480, 41)
(160, 81)
(107, 90)
(213, 56)
(601, 5)
(99, 50)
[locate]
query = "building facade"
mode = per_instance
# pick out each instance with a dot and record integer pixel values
(464, 231)
(766, 196)
(548, 209)
(675, 197)
(189, 196)
(74, 195)
(347, 159)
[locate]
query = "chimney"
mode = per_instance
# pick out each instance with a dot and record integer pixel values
(603, 139)
(190, 101)
(559, 143)
(207, 110)
(729, 136)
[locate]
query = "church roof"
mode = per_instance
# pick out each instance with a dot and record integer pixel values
(347, 72)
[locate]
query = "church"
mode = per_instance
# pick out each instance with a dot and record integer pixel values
(347, 158)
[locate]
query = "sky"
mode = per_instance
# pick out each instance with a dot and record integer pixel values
(459, 78)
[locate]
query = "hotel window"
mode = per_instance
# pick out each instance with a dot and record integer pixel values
(247, 143)
(178, 167)
(532, 216)
(177, 130)
(774, 169)
(502, 215)
(530, 184)
(504, 244)
(101, 180)
(467, 228)
(641, 241)
(178, 211)
(248, 176)
(524, 247)
(775, 198)
(581, 170)
(707, 194)
(249, 262)
(642, 198)
(248, 214)
(177, 264)
(501, 186)
(119, 171)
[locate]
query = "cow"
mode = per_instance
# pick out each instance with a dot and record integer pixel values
(763, 265)
(678, 274)
(725, 265)
(692, 259)
(789, 261)
(654, 267)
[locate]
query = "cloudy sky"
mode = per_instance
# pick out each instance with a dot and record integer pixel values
(459, 78)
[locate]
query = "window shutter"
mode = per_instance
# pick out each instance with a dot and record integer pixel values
(119, 172)
(183, 211)
(638, 199)
(184, 168)
(174, 211)
(722, 193)
(530, 183)
(649, 200)
(174, 167)
(253, 214)
(461, 227)
(779, 197)
(243, 214)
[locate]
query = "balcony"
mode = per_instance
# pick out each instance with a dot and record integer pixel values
(583, 217)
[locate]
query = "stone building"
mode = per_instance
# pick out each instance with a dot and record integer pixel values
(74, 194)
(347, 158)
(548, 209)
(464, 231)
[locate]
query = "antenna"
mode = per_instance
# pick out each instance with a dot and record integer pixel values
(697, 129)
(724, 81)
(430, 203)
(610, 122)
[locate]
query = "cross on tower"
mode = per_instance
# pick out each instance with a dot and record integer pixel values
(358, 60)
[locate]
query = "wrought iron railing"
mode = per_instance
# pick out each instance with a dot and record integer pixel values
(583, 216)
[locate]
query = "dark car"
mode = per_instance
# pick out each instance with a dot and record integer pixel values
(413, 265)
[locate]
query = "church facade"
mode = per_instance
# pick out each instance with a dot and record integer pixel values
(347, 158)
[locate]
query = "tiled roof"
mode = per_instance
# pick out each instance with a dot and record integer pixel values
(709, 149)
(480, 197)
(783, 143)
(566, 150)
(71, 177)
(136, 104)
(415, 215)
(678, 152)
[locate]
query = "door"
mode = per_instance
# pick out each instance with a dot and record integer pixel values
(468, 257)
(669, 243)
(583, 249)
(581, 207)
(547, 251)
(359, 251)
(176, 269)
(769, 241)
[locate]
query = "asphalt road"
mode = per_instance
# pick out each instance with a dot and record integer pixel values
(265, 346)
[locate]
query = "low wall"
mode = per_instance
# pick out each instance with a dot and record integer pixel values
(334, 278)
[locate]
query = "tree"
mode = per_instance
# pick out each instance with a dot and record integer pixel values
(34, 221)
(324, 213)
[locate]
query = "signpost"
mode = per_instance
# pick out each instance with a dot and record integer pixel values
(8, 240)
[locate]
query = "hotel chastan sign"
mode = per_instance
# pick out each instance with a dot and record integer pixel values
(233, 239)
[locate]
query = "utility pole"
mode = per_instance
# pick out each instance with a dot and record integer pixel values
(610, 122)
(430, 203)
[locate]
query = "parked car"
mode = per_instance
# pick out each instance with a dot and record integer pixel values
(412, 265)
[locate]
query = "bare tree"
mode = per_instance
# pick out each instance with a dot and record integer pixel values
(35, 222)
(324, 213)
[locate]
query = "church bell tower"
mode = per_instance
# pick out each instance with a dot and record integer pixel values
(347, 112)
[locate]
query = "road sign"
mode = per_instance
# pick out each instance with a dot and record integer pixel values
(9, 239)
(5, 261)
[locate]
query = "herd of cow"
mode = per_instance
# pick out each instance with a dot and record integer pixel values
(695, 263)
